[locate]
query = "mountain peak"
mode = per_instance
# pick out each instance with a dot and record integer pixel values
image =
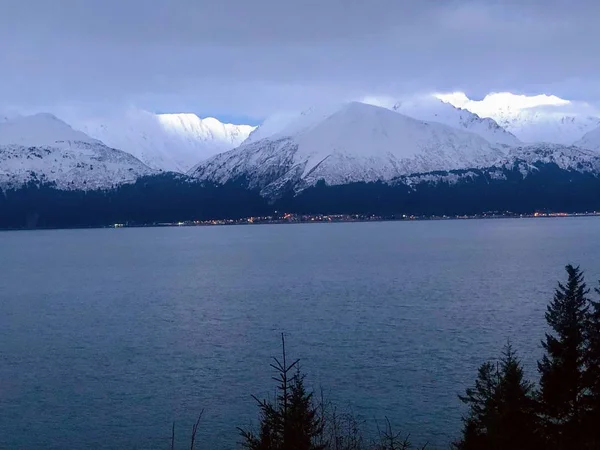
(172, 142)
(356, 142)
(433, 109)
(538, 118)
(45, 116)
(361, 107)
(41, 129)
(44, 149)
(365, 111)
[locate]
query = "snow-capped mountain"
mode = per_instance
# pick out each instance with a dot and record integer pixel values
(424, 108)
(170, 142)
(433, 109)
(540, 118)
(358, 142)
(40, 129)
(45, 149)
(545, 126)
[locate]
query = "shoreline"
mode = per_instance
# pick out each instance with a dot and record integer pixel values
(314, 219)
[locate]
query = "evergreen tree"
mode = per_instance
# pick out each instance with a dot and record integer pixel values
(304, 422)
(592, 376)
(480, 400)
(562, 387)
(517, 426)
(501, 408)
(293, 421)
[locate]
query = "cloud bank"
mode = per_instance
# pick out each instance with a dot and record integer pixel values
(237, 57)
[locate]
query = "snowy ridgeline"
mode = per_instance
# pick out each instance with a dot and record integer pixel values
(168, 142)
(532, 119)
(432, 109)
(525, 160)
(43, 148)
(358, 142)
(339, 144)
(532, 126)
(361, 142)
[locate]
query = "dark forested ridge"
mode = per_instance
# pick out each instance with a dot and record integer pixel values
(548, 189)
(173, 198)
(156, 199)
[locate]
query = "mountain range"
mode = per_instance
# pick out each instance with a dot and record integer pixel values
(411, 147)
(44, 149)
(535, 119)
(169, 142)
(432, 109)
(357, 142)
(536, 126)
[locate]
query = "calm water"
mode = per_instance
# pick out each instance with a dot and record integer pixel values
(107, 336)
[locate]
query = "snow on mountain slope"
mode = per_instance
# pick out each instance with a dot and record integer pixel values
(547, 126)
(540, 118)
(526, 160)
(431, 108)
(45, 149)
(424, 108)
(565, 157)
(358, 142)
(289, 123)
(40, 129)
(591, 140)
(171, 142)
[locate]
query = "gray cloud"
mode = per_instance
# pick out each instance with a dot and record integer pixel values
(253, 58)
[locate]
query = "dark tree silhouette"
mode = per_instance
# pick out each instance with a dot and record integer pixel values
(392, 440)
(501, 408)
(293, 421)
(481, 402)
(515, 399)
(304, 422)
(592, 376)
(562, 368)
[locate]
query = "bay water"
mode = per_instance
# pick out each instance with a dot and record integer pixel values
(108, 336)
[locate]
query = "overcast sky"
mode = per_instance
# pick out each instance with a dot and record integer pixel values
(241, 58)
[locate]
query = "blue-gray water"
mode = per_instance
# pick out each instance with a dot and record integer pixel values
(107, 336)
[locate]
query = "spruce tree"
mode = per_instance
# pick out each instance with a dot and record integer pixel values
(481, 401)
(501, 408)
(304, 422)
(293, 421)
(592, 375)
(517, 426)
(562, 368)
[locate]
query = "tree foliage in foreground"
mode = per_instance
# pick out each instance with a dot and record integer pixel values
(293, 421)
(505, 409)
(296, 420)
(562, 369)
(501, 404)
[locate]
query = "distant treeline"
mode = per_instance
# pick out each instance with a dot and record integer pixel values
(174, 198)
(505, 411)
(548, 189)
(156, 199)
